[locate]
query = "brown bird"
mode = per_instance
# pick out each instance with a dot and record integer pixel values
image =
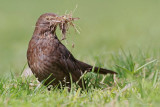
(50, 60)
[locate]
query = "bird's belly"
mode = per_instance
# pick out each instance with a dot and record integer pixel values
(46, 69)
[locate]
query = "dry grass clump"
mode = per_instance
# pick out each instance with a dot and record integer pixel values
(64, 22)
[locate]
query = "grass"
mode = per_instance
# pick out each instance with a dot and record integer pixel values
(120, 35)
(137, 84)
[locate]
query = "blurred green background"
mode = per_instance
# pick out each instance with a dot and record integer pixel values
(106, 26)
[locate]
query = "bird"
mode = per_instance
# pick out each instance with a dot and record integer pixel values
(50, 61)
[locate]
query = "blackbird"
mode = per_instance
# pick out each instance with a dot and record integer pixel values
(50, 60)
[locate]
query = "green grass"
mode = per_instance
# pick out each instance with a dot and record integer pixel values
(119, 35)
(137, 84)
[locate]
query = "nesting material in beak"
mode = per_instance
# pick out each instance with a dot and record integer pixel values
(64, 22)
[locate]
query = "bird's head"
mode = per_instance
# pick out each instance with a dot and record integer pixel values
(48, 22)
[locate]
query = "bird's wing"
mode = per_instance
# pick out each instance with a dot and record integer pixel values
(68, 63)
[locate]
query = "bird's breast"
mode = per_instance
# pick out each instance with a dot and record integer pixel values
(41, 57)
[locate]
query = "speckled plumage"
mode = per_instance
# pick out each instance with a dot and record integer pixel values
(47, 56)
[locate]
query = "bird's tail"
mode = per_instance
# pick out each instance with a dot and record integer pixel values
(86, 67)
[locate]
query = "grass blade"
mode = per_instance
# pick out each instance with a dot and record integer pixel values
(145, 65)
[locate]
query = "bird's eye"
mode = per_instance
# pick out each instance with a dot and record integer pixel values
(47, 18)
